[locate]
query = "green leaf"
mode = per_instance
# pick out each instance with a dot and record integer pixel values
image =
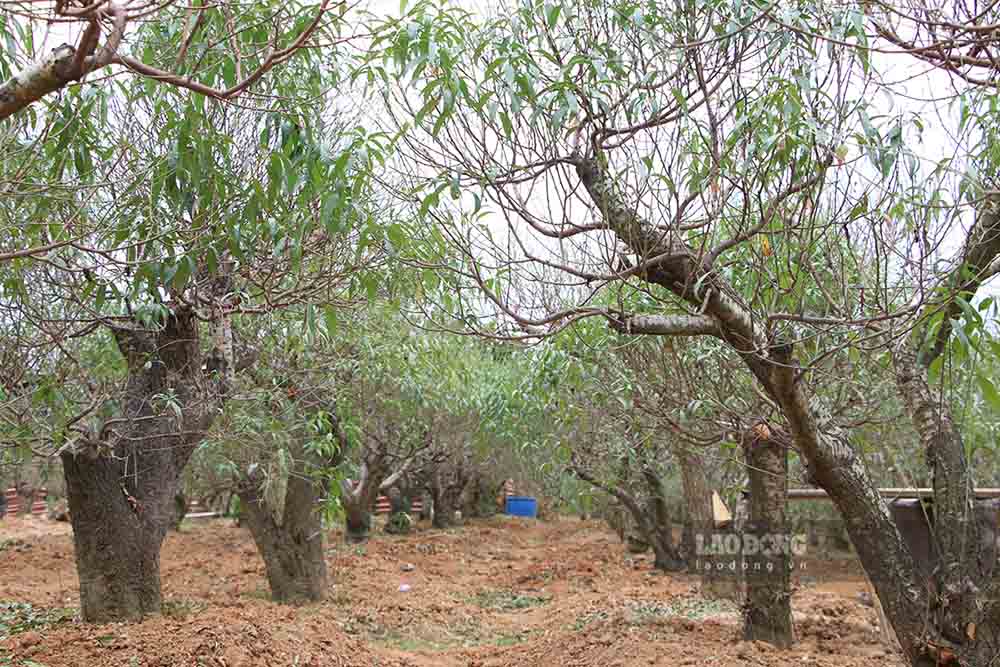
(397, 235)
(185, 268)
(972, 316)
(934, 370)
(552, 15)
(508, 128)
(330, 320)
(429, 201)
(989, 391)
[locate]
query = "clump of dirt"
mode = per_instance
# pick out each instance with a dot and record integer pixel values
(223, 637)
(495, 593)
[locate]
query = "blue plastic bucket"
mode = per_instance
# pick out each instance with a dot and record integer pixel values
(522, 506)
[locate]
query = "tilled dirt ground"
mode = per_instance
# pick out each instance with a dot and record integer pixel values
(497, 593)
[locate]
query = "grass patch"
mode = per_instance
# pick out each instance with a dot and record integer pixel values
(14, 544)
(643, 612)
(507, 600)
(340, 597)
(259, 593)
(181, 609)
(401, 643)
(466, 634)
(17, 617)
(512, 640)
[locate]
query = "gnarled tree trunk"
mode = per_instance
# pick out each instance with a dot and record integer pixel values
(358, 498)
(26, 494)
(653, 522)
(446, 489)
(661, 528)
(292, 549)
(120, 483)
(961, 586)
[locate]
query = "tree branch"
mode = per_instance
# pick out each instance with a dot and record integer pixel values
(666, 325)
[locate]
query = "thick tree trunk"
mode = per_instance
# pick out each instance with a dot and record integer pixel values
(961, 543)
(697, 501)
(700, 519)
(661, 528)
(292, 549)
(448, 483)
(767, 612)
(26, 493)
(120, 484)
(358, 500)
(117, 541)
(357, 522)
(477, 499)
(444, 505)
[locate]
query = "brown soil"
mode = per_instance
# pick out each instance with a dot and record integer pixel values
(496, 593)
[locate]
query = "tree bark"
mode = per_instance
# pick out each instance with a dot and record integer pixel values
(444, 501)
(964, 545)
(46, 76)
(26, 493)
(667, 557)
(358, 500)
(64, 64)
(700, 519)
(767, 612)
(120, 484)
(357, 522)
(962, 591)
(653, 522)
(292, 549)
(447, 484)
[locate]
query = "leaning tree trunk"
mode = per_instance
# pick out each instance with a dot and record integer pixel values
(963, 607)
(767, 612)
(292, 549)
(652, 522)
(831, 461)
(120, 483)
